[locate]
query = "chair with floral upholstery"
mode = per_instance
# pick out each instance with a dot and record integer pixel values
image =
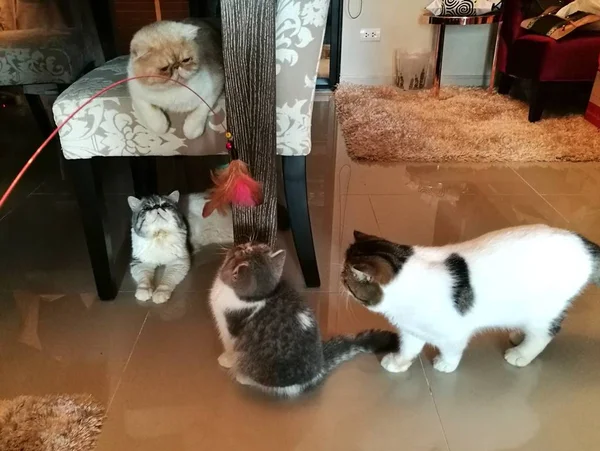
(109, 127)
(46, 45)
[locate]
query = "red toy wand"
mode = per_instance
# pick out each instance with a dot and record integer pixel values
(232, 185)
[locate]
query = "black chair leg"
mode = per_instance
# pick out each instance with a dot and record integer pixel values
(145, 179)
(505, 82)
(294, 182)
(283, 218)
(88, 190)
(539, 91)
(40, 114)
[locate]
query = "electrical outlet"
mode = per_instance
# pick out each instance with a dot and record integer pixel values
(370, 34)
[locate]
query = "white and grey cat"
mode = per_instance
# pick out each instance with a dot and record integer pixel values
(522, 278)
(163, 229)
(189, 52)
(270, 336)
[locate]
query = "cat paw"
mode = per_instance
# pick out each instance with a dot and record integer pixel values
(161, 296)
(444, 366)
(515, 357)
(516, 337)
(143, 294)
(193, 129)
(157, 122)
(392, 364)
(226, 360)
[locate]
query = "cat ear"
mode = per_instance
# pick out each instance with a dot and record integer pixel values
(278, 259)
(189, 31)
(134, 203)
(136, 51)
(238, 269)
(360, 274)
(174, 196)
(359, 236)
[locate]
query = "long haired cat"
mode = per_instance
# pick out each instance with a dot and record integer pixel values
(162, 233)
(189, 52)
(522, 278)
(270, 336)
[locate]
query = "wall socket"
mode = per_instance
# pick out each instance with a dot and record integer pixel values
(370, 34)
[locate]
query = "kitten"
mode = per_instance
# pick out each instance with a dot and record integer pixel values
(521, 278)
(162, 233)
(189, 52)
(271, 337)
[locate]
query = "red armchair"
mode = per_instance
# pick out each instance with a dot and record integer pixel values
(543, 60)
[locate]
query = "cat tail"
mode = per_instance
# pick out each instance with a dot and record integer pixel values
(338, 350)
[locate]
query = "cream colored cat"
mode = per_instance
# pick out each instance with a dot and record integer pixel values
(189, 52)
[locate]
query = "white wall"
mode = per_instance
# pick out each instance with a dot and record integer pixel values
(467, 50)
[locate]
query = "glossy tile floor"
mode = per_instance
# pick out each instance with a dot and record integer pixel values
(155, 367)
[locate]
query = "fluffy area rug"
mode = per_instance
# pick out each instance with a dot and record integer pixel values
(382, 124)
(50, 423)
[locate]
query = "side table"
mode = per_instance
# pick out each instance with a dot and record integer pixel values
(442, 21)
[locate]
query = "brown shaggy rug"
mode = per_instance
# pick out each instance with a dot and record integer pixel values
(383, 124)
(50, 423)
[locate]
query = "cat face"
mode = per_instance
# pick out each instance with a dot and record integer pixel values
(154, 214)
(371, 263)
(168, 49)
(253, 270)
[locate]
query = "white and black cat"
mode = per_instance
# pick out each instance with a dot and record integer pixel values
(521, 278)
(271, 337)
(162, 231)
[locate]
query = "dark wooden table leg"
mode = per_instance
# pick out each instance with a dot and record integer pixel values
(439, 56)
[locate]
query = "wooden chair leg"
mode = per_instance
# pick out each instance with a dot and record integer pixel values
(294, 182)
(40, 114)
(539, 91)
(88, 190)
(505, 82)
(145, 178)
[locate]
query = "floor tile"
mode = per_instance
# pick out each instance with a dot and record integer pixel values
(174, 396)
(562, 178)
(65, 343)
(488, 405)
(424, 219)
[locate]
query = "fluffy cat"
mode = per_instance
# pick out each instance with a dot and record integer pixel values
(521, 278)
(189, 52)
(271, 337)
(162, 233)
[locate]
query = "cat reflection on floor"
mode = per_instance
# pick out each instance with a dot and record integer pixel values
(189, 52)
(165, 230)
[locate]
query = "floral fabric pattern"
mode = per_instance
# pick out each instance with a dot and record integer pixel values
(108, 126)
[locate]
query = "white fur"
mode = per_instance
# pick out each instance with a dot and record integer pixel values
(163, 245)
(216, 229)
(151, 101)
(523, 278)
(305, 320)
(223, 299)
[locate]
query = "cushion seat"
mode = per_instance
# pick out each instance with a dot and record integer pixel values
(572, 58)
(109, 126)
(40, 56)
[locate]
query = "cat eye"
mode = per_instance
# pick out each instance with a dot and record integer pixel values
(164, 69)
(187, 60)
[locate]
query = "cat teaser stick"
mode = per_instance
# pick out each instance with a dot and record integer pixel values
(233, 185)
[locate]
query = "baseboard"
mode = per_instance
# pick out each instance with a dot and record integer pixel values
(376, 80)
(466, 80)
(456, 80)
